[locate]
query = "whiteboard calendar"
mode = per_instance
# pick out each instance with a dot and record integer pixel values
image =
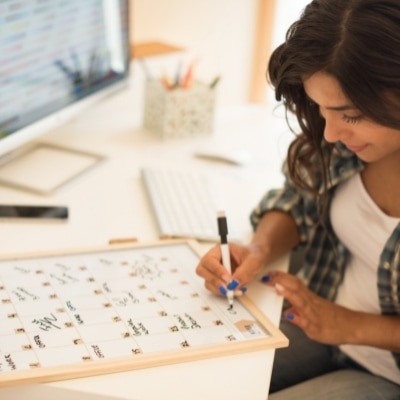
(114, 309)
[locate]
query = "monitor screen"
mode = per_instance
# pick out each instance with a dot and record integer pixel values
(57, 56)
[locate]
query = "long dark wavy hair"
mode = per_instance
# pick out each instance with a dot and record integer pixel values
(358, 43)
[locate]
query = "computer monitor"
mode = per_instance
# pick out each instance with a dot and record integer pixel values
(56, 58)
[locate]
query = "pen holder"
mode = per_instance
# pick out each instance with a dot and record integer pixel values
(179, 112)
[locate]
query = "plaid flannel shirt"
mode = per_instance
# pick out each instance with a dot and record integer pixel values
(325, 256)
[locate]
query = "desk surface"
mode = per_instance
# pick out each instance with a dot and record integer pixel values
(109, 202)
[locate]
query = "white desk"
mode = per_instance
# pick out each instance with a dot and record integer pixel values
(109, 202)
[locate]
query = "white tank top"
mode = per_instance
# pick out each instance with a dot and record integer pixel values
(364, 229)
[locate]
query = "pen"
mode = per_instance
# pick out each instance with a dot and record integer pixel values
(74, 77)
(189, 76)
(166, 81)
(178, 75)
(226, 259)
(214, 83)
(92, 68)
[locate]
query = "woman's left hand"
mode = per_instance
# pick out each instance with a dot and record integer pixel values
(320, 319)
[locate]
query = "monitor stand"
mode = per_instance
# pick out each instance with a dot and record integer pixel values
(44, 168)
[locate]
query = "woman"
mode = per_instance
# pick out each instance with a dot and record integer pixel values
(338, 71)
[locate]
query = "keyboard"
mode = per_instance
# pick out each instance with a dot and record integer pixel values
(185, 204)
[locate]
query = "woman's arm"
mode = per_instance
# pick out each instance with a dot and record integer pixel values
(276, 234)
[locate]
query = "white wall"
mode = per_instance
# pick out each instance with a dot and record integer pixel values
(219, 32)
(287, 11)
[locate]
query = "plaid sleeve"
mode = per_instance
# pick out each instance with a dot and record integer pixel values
(302, 206)
(287, 199)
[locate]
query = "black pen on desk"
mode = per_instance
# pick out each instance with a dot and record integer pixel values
(226, 258)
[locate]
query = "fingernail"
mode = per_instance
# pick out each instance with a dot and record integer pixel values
(222, 290)
(290, 316)
(243, 289)
(279, 287)
(266, 278)
(233, 285)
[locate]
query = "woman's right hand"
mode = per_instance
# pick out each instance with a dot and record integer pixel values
(246, 261)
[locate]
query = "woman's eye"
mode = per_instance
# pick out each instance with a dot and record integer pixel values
(351, 120)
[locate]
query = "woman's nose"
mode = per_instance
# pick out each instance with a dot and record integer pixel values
(334, 130)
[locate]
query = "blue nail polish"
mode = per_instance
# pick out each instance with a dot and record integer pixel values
(222, 290)
(290, 316)
(265, 278)
(233, 285)
(243, 289)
